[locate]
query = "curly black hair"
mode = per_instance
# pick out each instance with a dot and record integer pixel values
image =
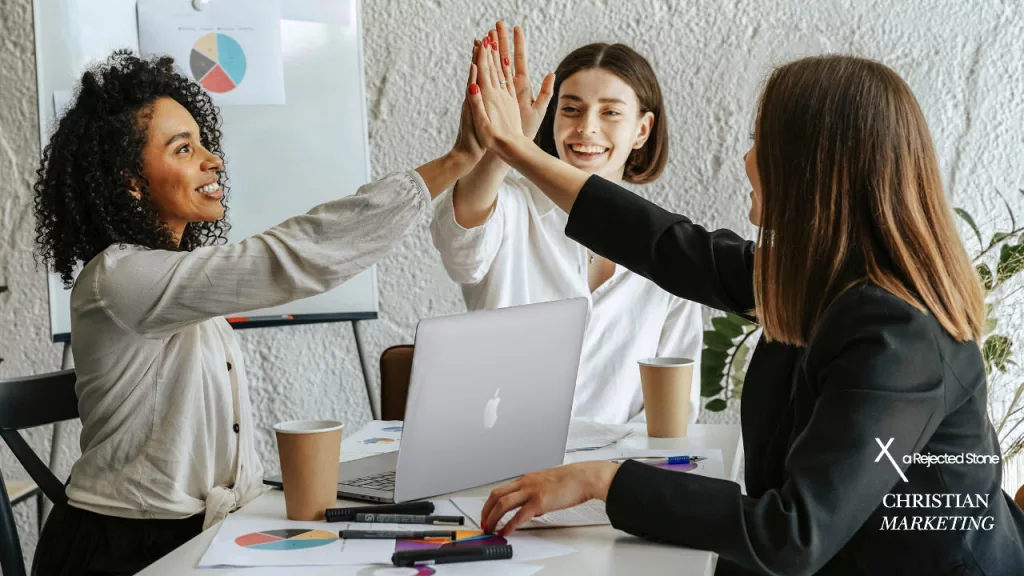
(83, 200)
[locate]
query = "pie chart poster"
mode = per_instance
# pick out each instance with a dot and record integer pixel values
(232, 48)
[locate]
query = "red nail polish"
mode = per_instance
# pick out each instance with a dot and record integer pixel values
(474, 89)
(505, 61)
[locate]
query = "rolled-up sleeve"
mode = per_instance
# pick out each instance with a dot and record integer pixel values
(467, 253)
(157, 292)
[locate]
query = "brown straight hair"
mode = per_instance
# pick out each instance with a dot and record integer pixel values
(851, 192)
(647, 163)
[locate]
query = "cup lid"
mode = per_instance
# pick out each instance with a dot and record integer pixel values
(308, 426)
(665, 361)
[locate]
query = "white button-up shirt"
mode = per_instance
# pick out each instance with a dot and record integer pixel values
(521, 255)
(161, 381)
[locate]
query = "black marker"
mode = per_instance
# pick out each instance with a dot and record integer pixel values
(409, 519)
(348, 514)
(407, 558)
(394, 534)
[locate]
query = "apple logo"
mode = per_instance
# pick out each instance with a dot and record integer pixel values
(491, 411)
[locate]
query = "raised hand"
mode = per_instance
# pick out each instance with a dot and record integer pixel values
(467, 144)
(493, 100)
(531, 109)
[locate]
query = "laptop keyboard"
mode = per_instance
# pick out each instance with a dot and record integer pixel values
(383, 481)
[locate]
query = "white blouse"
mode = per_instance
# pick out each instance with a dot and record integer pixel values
(521, 255)
(167, 429)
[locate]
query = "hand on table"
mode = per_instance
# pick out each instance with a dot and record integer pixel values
(538, 493)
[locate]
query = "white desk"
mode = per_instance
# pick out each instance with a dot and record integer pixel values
(600, 550)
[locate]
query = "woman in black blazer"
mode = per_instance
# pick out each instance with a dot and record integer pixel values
(871, 315)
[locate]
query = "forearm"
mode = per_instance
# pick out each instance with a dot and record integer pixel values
(561, 182)
(476, 192)
(440, 173)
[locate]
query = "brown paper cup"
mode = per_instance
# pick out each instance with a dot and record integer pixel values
(309, 451)
(666, 386)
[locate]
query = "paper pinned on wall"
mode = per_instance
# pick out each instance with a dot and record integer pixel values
(232, 48)
(337, 12)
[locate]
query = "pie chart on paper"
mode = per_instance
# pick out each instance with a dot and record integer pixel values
(218, 62)
(287, 539)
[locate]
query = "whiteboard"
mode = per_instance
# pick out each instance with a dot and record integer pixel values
(281, 160)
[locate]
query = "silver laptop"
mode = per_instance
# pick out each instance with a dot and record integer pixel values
(490, 395)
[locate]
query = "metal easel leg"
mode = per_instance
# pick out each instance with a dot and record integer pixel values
(374, 405)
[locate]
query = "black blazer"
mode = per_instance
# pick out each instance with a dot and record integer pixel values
(818, 501)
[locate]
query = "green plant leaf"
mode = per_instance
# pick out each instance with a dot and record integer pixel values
(710, 389)
(996, 351)
(1013, 221)
(985, 273)
(738, 320)
(998, 237)
(970, 222)
(726, 328)
(1011, 261)
(716, 341)
(990, 325)
(737, 386)
(739, 359)
(716, 405)
(709, 356)
(711, 374)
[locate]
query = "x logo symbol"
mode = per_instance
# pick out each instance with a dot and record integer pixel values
(885, 452)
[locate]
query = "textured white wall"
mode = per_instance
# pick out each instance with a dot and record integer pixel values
(963, 60)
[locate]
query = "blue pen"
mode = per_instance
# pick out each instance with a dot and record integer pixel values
(670, 460)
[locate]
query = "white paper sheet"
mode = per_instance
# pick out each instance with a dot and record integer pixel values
(712, 466)
(467, 569)
(231, 47)
(249, 540)
(242, 541)
(525, 548)
(588, 435)
(377, 437)
(590, 513)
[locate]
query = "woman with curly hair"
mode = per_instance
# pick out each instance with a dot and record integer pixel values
(132, 186)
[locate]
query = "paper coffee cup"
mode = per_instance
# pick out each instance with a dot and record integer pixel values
(666, 384)
(308, 450)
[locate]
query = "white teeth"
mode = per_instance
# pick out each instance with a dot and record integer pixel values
(588, 148)
(209, 188)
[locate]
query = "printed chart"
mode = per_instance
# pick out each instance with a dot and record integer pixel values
(286, 539)
(218, 62)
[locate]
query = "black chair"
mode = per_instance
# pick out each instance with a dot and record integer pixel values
(26, 403)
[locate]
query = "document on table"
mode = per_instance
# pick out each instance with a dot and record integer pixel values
(265, 541)
(588, 435)
(490, 568)
(377, 437)
(590, 513)
(711, 464)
